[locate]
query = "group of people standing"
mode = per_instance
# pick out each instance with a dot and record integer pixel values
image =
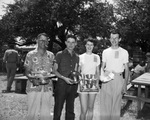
(114, 60)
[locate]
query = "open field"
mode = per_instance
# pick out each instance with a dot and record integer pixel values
(13, 106)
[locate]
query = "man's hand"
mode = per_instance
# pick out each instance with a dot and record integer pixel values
(124, 90)
(106, 73)
(35, 82)
(68, 80)
(39, 76)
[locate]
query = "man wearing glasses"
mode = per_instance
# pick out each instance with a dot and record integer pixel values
(38, 65)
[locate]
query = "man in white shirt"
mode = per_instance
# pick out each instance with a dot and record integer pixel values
(114, 60)
(139, 69)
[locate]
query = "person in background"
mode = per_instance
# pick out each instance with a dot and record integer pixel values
(38, 67)
(147, 68)
(131, 66)
(88, 65)
(131, 63)
(114, 61)
(11, 58)
(65, 91)
(139, 69)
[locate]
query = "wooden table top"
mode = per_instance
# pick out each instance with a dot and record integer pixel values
(143, 79)
(23, 77)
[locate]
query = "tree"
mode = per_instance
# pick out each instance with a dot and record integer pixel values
(57, 18)
(134, 22)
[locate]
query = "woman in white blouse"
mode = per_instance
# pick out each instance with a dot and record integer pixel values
(89, 68)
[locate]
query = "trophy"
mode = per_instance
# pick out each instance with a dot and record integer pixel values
(88, 83)
(41, 80)
(75, 76)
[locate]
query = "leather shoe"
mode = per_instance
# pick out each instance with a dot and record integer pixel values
(6, 91)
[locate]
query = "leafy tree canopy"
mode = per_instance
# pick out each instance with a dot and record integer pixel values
(134, 22)
(57, 18)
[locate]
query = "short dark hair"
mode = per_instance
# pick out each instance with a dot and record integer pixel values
(115, 31)
(71, 36)
(90, 39)
(142, 63)
(42, 34)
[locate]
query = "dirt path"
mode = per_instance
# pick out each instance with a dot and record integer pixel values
(13, 106)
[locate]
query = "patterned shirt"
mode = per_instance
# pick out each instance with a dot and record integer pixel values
(35, 62)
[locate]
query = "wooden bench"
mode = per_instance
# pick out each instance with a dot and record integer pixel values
(127, 96)
(141, 82)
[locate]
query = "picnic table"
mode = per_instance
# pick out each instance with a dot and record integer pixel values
(143, 81)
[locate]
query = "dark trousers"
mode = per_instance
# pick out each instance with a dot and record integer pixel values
(64, 93)
(11, 71)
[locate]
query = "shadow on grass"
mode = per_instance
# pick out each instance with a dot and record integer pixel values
(144, 113)
(132, 91)
(126, 107)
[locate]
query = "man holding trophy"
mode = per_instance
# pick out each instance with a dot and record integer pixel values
(89, 83)
(66, 63)
(38, 67)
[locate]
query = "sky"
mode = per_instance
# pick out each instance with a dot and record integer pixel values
(4, 2)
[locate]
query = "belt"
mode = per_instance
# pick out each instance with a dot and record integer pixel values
(119, 74)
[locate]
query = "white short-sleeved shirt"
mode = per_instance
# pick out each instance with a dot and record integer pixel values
(89, 63)
(139, 69)
(115, 59)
